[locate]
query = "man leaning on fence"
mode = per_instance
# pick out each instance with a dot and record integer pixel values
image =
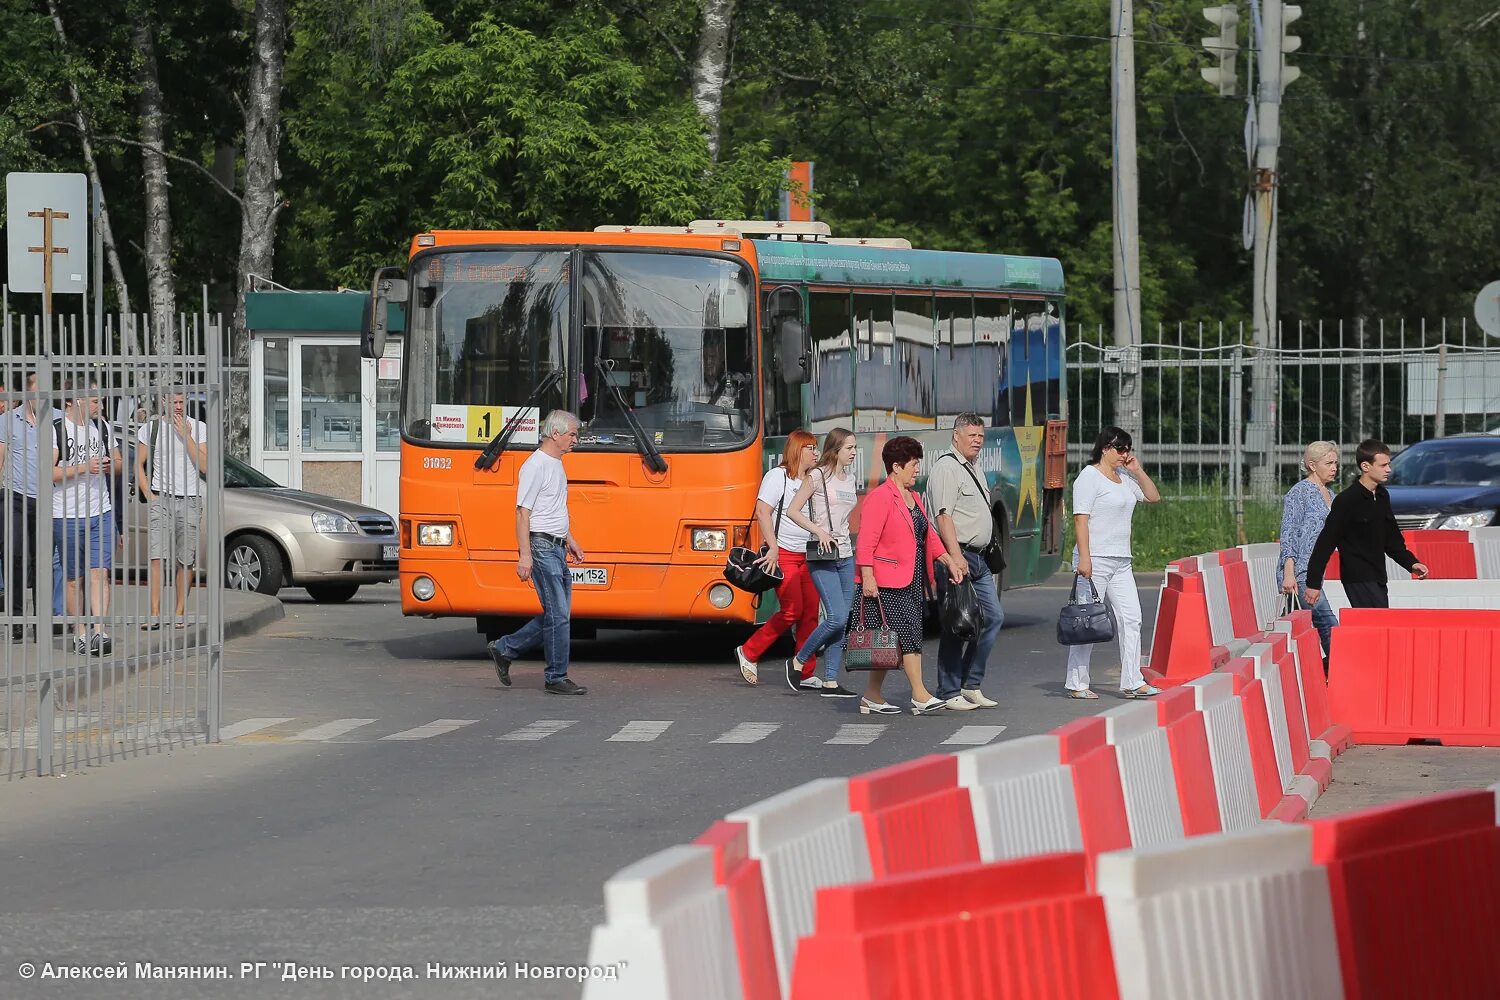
(170, 456)
(21, 428)
(545, 546)
(956, 494)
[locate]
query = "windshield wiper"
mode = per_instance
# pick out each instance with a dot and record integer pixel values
(643, 444)
(492, 451)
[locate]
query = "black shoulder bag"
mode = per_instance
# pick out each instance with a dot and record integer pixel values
(993, 554)
(1086, 621)
(741, 569)
(815, 551)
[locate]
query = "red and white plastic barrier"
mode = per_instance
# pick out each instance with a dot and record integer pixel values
(1023, 798)
(916, 816)
(1228, 751)
(1144, 756)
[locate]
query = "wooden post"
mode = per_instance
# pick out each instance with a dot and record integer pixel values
(47, 250)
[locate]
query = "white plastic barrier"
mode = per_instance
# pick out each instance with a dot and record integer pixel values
(1481, 595)
(1146, 775)
(1228, 751)
(1263, 560)
(1486, 542)
(666, 932)
(804, 838)
(1269, 675)
(1023, 799)
(1234, 916)
(1216, 593)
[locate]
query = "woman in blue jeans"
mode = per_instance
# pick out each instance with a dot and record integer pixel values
(1302, 515)
(828, 492)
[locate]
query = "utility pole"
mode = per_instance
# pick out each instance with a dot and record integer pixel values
(1127, 243)
(1275, 75)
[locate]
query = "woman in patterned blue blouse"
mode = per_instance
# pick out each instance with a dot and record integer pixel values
(1302, 515)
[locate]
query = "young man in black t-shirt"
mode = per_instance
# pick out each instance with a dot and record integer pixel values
(1363, 529)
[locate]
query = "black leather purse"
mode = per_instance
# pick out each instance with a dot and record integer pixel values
(815, 551)
(741, 569)
(1082, 622)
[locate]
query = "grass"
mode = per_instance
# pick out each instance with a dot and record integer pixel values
(1191, 518)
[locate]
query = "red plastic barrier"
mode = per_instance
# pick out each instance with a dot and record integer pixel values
(1309, 651)
(1448, 555)
(1268, 790)
(1242, 616)
(1182, 647)
(1192, 768)
(1417, 673)
(1083, 746)
(916, 817)
(1024, 929)
(1416, 896)
(739, 874)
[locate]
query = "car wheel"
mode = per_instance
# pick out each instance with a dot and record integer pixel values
(332, 593)
(252, 563)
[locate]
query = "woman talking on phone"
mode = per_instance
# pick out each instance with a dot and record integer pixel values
(1104, 498)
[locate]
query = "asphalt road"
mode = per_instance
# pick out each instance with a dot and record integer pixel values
(381, 801)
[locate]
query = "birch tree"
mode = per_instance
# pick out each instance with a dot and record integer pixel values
(710, 66)
(161, 290)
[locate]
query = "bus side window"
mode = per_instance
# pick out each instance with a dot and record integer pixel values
(831, 395)
(992, 337)
(783, 402)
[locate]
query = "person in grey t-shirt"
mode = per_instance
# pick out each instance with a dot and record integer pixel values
(21, 428)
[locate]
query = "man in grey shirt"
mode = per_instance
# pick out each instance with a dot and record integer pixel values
(957, 495)
(19, 429)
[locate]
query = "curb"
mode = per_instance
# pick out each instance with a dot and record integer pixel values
(264, 611)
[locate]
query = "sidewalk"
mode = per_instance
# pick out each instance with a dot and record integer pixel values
(1372, 775)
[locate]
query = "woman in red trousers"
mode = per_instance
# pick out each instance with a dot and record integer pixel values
(796, 595)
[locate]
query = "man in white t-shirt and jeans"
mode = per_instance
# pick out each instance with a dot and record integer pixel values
(170, 456)
(545, 546)
(84, 456)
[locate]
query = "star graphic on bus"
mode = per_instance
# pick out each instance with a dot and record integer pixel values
(1029, 441)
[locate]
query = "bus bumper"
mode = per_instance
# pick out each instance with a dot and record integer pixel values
(643, 592)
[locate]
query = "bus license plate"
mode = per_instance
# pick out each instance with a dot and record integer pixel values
(390, 552)
(589, 576)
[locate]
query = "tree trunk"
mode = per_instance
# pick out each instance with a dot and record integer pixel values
(160, 287)
(261, 203)
(710, 66)
(128, 342)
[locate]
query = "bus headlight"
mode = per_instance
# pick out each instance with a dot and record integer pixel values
(435, 534)
(710, 539)
(422, 588)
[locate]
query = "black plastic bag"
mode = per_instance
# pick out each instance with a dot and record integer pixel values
(960, 610)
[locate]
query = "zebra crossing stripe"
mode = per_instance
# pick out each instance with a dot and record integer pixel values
(248, 726)
(748, 732)
(639, 732)
(973, 736)
(328, 730)
(538, 730)
(431, 729)
(856, 734)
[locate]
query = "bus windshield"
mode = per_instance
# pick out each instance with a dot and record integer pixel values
(667, 335)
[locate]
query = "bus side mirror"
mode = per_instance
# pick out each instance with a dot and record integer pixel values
(389, 286)
(793, 350)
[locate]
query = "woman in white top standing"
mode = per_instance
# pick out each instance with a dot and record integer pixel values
(1104, 498)
(829, 495)
(787, 551)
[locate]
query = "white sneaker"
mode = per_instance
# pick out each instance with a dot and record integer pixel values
(977, 697)
(747, 666)
(958, 703)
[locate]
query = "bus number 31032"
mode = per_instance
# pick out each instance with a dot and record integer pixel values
(437, 463)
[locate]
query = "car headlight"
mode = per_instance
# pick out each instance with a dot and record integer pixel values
(1458, 522)
(435, 534)
(333, 524)
(710, 539)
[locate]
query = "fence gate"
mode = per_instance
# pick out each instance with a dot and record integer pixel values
(112, 608)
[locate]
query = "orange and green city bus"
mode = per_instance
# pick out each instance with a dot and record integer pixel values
(688, 354)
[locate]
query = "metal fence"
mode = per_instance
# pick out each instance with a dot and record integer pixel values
(112, 611)
(1341, 382)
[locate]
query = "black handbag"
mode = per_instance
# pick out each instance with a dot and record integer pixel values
(815, 551)
(871, 649)
(959, 611)
(741, 569)
(1083, 622)
(993, 554)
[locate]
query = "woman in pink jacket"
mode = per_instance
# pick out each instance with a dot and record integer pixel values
(893, 556)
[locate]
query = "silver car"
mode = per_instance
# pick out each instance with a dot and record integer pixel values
(276, 537)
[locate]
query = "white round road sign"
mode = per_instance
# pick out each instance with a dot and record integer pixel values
(1487, 308)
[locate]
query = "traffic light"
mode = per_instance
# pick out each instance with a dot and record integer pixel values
(1289, 43)
(1224, 47)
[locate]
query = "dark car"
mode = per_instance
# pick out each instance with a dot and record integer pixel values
(1451, 482)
